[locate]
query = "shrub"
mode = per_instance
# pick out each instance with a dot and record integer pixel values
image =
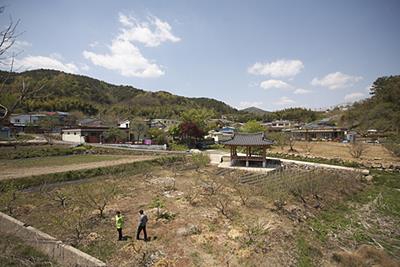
(200, 160)
(178, 147)
(159, 204)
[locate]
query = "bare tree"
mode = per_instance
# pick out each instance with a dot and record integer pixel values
(192, 195)
(308, 147)
(59, 196)
(357, 149)
(211, 186)
(8, 36)
(291, 142)
(73, 220)
(243, 192)
(222, 202)
(96, 197)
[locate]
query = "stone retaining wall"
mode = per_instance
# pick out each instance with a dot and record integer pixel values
(55, 249)
(295, 164)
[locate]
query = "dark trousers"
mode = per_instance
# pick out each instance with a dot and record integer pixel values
(119, 233)
(140, 229)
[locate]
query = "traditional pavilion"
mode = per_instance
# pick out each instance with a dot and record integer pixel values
(250, 141)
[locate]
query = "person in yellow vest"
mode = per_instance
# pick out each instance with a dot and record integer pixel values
(119, 223)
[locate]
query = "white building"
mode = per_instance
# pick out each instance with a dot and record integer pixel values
(124, 124)
(84, 135)
(219, 136)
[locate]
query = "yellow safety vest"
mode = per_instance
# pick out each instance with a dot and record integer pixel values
(119, 221)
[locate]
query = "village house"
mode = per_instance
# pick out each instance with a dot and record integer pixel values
(24, 120)
(83, 134)
(278, 125)
(163, 124)
(221, 135)
(125, 124)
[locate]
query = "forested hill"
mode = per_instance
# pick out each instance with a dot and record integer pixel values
(381, 111)
(68, 92)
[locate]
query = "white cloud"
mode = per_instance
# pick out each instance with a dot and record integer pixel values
(353, 97)
(94, 44)
(44, 62)
(336, 80)
(253, 84)
(84, 67)
(284, 100)
(268, 84)
(127, 59)
(15, 48)
(279, 68)
(301, 91)
(124, 56)
(247, 104)
(151, 33)
(22, 44)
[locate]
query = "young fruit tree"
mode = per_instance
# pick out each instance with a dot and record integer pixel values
(96, 197)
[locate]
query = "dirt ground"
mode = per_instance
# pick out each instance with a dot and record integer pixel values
(196, 218)
(14, 172)
(373, 152)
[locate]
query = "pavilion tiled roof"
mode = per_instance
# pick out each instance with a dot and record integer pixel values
(248, 139)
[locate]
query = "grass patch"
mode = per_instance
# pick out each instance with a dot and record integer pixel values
(102, 249)
(55, 161)
(385, 192)
(346, 223)
(25, 152)
(15, 253)
(330, 221)
(304, 251)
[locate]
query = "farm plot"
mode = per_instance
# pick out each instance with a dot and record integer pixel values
(339, 150)
(201, 216)
(45, 165)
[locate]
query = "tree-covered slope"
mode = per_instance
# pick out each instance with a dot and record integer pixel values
(381, 111)
(67, 92)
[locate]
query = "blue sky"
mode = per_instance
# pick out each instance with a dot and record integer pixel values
(269, 54)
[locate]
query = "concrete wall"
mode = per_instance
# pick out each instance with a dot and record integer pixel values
(56, 250)
(73, 138)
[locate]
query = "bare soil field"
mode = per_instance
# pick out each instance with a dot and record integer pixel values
(45, 165)
(373, 152)
(203, 217)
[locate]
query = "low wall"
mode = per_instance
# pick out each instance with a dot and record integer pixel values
(292, 164)
(56, 250)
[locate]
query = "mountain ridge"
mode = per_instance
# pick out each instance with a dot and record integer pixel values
(67, 92)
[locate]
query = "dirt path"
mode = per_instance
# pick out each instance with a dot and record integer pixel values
(24, 172)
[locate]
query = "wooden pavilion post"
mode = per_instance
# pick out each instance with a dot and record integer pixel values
(247, 156)
(264, 155)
